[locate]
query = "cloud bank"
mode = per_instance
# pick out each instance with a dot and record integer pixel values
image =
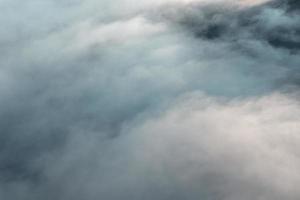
(149, 100)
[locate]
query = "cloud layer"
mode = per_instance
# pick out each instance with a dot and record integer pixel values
(149, 100)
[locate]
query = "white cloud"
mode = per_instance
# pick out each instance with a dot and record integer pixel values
(114, 32)
(148, 100)
(240, 149)
(197, 147)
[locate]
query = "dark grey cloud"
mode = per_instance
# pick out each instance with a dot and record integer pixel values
(253, 31)
(176, 100)
(271, 22)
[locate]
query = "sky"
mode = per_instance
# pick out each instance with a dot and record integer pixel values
(149, 100)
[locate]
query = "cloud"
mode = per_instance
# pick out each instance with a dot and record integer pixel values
(229, 150)
(149, 100)
(267, 33)
(197, 147)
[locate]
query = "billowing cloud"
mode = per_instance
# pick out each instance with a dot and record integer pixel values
(149, 99)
